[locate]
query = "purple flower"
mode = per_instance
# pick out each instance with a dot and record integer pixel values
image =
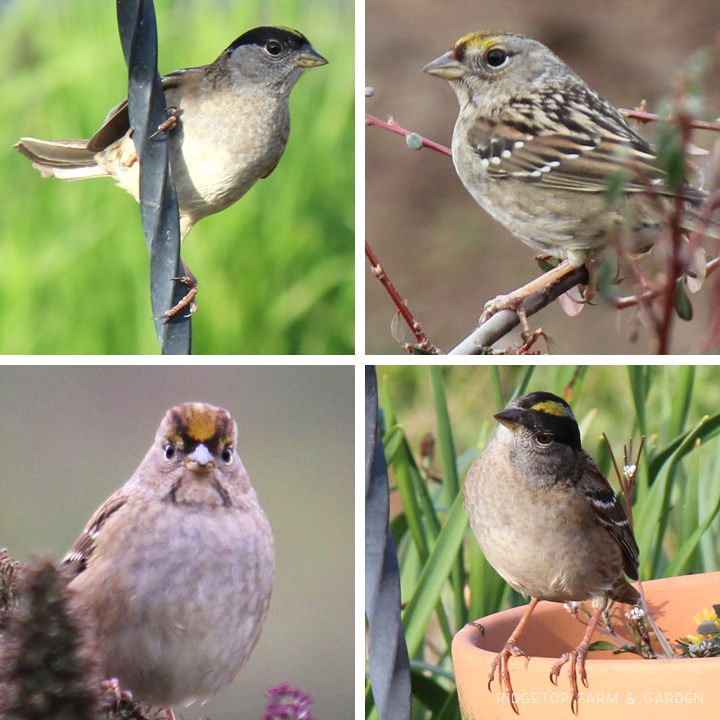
(287, 703)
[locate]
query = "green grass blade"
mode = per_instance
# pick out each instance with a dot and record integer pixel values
(451, 709)
(678, 564)
(451, 484)
(428, 691)
(434, 576)
(681, 398)
(652, 519)
(637, 376)
(522, 386)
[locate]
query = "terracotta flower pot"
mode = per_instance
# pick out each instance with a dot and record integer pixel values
(618, 684)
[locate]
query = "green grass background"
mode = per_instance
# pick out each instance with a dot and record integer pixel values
(275, 270)
(445, 580)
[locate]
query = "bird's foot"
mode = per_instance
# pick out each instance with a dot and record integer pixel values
(171, 122)
(189, 299)
(500, 663)
(514, 300)
(576, 669)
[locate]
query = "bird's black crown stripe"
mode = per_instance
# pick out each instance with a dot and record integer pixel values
(262, 35)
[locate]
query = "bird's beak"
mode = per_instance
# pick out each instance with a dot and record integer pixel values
(510, 418)
(309, 59)
(445, 67)
(200, 460)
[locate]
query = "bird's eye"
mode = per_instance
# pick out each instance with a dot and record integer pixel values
(496, 57)
(544, 438)
(273, 47)
(226, 455)
(169, 451)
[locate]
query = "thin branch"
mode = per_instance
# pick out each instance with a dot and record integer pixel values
(627, 479)
(392, 126)
(646, 117)
(652, 293)
(480, 340)
(422, 342)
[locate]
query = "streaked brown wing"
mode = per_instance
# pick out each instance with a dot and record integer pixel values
(83, 548)
(577, 143)
(610, 513)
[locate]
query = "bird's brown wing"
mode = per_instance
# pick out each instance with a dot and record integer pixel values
(610, 513)
(117, 122)
(83, 548)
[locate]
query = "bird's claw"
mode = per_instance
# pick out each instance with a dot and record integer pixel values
(500, 663)
(189, 298)
(576, 669)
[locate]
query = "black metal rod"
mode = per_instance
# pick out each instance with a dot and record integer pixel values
(158, 200)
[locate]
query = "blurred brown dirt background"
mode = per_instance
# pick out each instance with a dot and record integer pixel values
(446, 256)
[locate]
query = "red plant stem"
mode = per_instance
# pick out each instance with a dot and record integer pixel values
(392, 126)
(650, 117)
(662, 327)
(629, 301)
(422, 341)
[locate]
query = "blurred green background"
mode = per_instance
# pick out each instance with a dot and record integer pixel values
(602, 402)
(275, 271)
(71, 436)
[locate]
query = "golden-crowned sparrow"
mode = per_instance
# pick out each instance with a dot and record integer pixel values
(539, 151)
(548, 521)
(229, 124)
(174, 571)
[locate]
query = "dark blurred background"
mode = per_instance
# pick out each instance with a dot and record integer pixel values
(446, 256)
(69, 437)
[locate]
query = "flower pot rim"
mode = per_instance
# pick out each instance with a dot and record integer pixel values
(664, 689)
(470, 635)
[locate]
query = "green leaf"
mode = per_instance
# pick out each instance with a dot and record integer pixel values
(429, 692)
(451, 709)
(651, 521)
(451, 484)
(522, 387)
(602, 645)
(433, 669)
(683, 306)
(671, 154)
(615, 185)
(636, 374)
(682, 385)
(706, 627)
(369, 702)
(399, 526)
(676, 567)
(391, 441)
(434, 576)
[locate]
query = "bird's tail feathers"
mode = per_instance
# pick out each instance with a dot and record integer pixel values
(64, 159)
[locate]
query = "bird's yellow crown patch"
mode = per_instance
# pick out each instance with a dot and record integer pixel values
(200, 421)
(551, 408)
(478, 40)
(291, 31)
